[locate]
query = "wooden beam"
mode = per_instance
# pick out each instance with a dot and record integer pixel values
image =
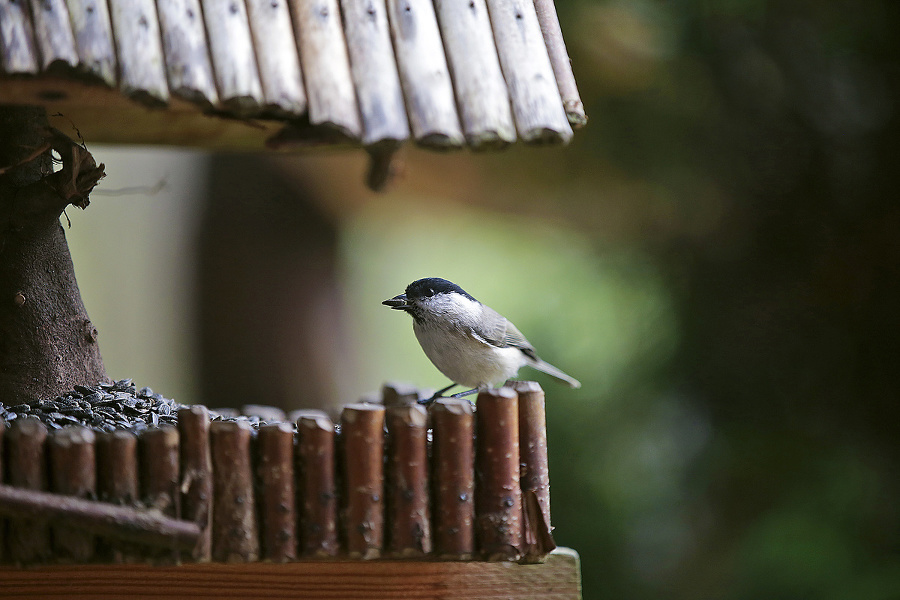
(558, 578)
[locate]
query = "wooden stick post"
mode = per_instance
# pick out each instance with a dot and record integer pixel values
(408, 517)
(362, 430)
(398, 394)
(535, 470)
(160, 478)
(277, 500)
(117, 481)
(72, 472)
(117, 467)
(453, 478)
(28, 540)
(196, 475)
(2, 522)
(234, 530)
(498, 497)
(316, 497)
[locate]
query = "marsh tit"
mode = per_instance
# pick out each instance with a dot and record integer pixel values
(470, 343)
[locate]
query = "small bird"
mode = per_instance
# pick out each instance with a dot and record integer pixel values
(469, 342)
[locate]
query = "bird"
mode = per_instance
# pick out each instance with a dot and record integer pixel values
(469, 342)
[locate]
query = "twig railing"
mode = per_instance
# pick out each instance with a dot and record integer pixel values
(391, 480)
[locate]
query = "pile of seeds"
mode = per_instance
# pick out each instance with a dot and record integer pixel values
(118, 405)
(105, 407)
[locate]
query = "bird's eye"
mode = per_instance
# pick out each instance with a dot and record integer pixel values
(430, 292)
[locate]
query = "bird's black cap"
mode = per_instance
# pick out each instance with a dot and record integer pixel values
(430, 286)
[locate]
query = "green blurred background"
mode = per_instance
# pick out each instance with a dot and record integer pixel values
(715, 256)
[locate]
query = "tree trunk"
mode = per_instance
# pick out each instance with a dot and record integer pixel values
(47, 341)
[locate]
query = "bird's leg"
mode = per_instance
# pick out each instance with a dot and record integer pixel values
(436, 395)
(466, 393)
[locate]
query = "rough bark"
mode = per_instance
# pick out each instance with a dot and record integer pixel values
(28, 540)
(196, 476)
(316, 495)
(234, 528)
(47, 341)
(276, 492)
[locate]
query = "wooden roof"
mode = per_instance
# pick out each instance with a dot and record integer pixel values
(254, 73)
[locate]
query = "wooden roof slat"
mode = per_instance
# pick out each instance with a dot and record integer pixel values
(559, 60)
(424, 74)
(291, 73)
(326, 66)
(141, 65)
(276, 56)
(188, 65)
(537, 106)
(53, 34)
(375, 72)
(233, 57)
(481, 95)
(94, 39)
(17, 52)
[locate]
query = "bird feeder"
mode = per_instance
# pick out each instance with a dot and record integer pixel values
(389, 500)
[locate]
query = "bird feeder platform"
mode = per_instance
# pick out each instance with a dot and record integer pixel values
(391, 501)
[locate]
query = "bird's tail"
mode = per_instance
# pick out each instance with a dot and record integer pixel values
(549, 369)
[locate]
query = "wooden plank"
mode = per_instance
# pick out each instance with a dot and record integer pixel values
(187, 54)
(276, 56)
(17, 51)
(481, 93)
(141, 64)
(53, 34)
(326, 66)
(232, 56)
(94, 39)
(536, 102)
(558, 578)
(424, 74)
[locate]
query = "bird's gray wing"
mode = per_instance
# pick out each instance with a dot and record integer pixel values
(498, 331)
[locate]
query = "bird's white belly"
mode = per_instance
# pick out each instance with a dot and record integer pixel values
(468, 361)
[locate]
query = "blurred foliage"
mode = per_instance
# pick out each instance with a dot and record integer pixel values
(761, 138)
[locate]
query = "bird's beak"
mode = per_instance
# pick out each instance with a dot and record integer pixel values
(398, 303)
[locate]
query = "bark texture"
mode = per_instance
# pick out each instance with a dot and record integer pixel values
(47, 341)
